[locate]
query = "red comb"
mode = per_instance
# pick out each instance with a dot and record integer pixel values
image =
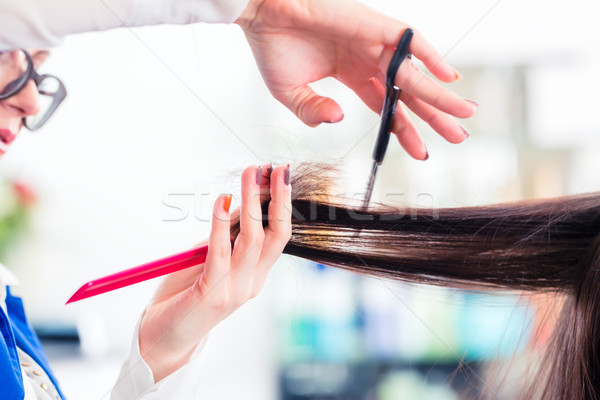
(141, 273)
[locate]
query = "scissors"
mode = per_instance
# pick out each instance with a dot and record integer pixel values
(392, 94)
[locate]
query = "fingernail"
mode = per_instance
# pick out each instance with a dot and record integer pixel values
(227, 203)
(457, 76)
(259, 176)
(426, 155)
(472, 102)
(270, 170)
(287, 175)
(334, 121)
(466, 132)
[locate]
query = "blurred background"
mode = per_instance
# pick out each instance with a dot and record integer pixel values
(161, 120)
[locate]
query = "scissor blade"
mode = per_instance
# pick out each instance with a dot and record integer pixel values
(370, 186)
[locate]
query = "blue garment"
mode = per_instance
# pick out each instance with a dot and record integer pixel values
(15, 332)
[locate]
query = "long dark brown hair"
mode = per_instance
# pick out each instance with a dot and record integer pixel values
(550, 246)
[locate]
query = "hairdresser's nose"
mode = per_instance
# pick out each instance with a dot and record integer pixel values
(26, 102)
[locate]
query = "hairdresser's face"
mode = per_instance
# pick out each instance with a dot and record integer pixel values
(23, 104)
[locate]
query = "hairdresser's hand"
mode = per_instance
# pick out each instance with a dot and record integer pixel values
(297, 42)
(191, 302)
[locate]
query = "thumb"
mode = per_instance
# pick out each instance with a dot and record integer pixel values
(309, 107)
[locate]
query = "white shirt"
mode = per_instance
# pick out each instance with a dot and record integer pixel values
(135, 380)
(45, 23)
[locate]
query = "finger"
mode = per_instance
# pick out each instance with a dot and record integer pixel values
(408, 135)
(309, 107)
(265, 184)
(279, 230)
(413, 81)
(421, 49)
(371, 93)
(440, 122)
(180, 280)
(267, 171)
(433, 61)
(249, 241)
(219, 246)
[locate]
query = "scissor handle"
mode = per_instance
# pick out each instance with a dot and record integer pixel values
(392, 94)
(402, 51)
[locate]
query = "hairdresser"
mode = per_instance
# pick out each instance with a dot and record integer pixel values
(295, 42)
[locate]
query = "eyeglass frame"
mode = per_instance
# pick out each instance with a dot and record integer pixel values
(32, 74)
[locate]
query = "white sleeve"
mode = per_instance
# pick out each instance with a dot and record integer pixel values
(45, 23)
(137, 382)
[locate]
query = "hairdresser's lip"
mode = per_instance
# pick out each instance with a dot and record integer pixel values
(6, 138)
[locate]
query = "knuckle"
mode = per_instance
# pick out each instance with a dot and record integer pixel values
(284, 232)
(404, 77)
(219, 301)
(397, 127)
(253, 239)
(220, 252)
(237, 302)
(431, 61)
(258, 238)
(278, 228)
(300, 99)
(403, 133)
(437, 101)
(223, 252)
(253, 293)
(255, 290)
(433, 119)
(217, 298)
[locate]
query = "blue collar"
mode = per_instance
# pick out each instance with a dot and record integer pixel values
(15, 331)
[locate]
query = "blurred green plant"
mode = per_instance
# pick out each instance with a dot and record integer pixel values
(16, 202)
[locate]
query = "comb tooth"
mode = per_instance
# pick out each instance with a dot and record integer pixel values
(78, 295)
(85, 291)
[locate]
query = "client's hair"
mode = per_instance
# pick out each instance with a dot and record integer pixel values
(536, 246)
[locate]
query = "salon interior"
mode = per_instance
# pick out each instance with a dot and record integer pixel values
(128, 171)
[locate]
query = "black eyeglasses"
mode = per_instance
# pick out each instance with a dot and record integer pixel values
(16, 70)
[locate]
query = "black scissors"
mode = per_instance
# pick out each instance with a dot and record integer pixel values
(392, 94)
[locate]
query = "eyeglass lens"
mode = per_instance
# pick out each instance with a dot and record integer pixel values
(16, 73)
(13, 71)
(51, 94)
